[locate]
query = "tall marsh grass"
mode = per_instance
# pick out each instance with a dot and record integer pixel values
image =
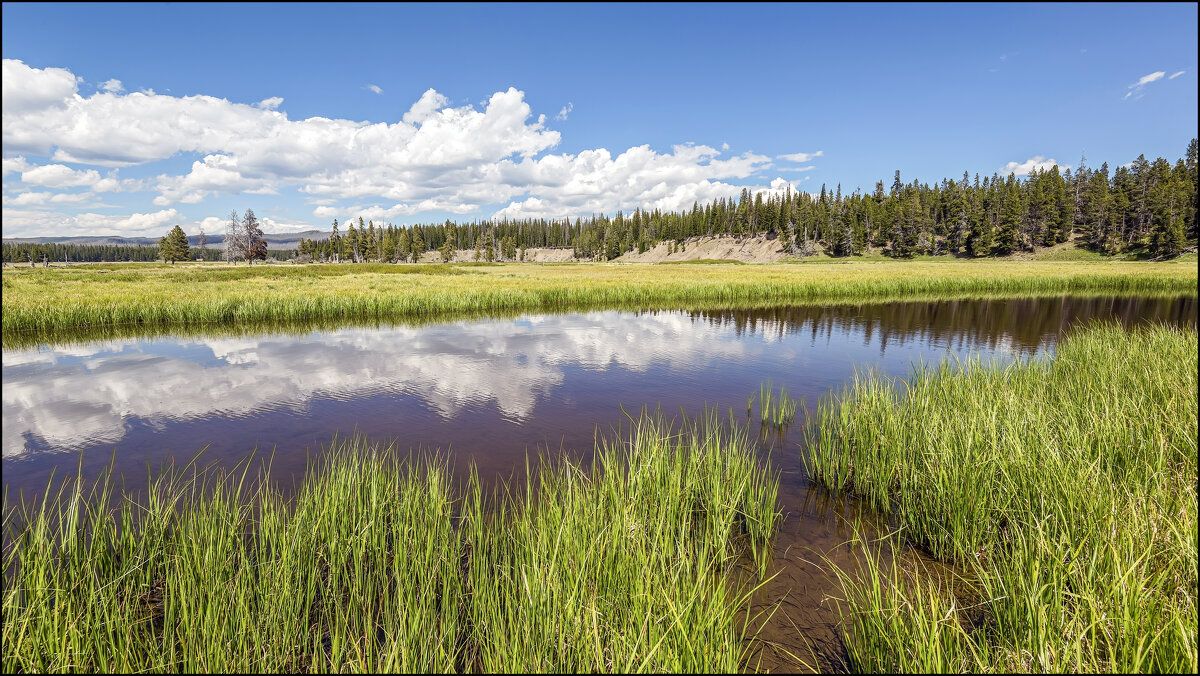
(43, 300)
(206, 574)
(626, 566)
(376, 565)
(774, 409)
(1064, 487)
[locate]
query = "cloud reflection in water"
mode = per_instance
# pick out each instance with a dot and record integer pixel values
(83, 395)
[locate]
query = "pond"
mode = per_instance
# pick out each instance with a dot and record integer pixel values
(496, 391)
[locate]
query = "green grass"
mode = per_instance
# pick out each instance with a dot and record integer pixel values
(1064, 488)
(632, 565)
(40, 302)
(248, 329)
(777, 410)
(624, 568)
(205, 574)
(902, 617)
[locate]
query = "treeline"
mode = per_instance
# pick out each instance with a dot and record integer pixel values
(26, 252)
(1144, 206)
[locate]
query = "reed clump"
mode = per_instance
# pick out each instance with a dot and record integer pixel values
(776, 410)
(626, 566)
(212, 572)
(376, 565)
(1065, 488)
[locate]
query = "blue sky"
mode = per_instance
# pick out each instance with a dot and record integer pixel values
(127, 119)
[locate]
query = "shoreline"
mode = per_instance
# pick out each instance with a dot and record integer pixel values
(43, 301)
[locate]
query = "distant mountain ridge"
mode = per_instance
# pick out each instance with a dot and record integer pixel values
(288, 240)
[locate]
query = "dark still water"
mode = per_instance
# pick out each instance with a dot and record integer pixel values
(495, 391)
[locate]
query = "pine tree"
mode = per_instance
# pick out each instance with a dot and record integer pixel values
(1057, 218)
(1120, 217)
(1080, 196)
(1168, 239)
(254, 246)
(1144, 181)
(173, 246)
(389, 245)
(352, 244)
(234, 237)
(905, 220)
(962, 219)
(1170, 198)
(914, 222)
(982, 236)
(404, 246)
(335, 243)
(418, 245)
(1191, 185)
(1010, 218)
(1095, 213)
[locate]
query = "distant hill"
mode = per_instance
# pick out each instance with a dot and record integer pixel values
(288, 240)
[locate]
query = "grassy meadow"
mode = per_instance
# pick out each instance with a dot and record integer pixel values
(642, 562)
(41, 301)
(1065, 488)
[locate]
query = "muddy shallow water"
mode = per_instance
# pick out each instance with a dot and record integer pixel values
(493, 392)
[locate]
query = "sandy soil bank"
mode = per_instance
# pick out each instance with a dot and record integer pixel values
(746, 249)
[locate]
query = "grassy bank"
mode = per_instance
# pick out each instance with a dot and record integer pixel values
(1065, 487)
(1025, 320)
(41, 300)
(376, 565)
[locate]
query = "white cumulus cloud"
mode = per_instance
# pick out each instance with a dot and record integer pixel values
(14, 165)
(33, 223)
(496, 156)
(62, 176)
(59, 176)
(1035, 163)
(429, 103)
(28, 89)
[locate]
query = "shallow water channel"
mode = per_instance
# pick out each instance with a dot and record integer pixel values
(495, 391)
